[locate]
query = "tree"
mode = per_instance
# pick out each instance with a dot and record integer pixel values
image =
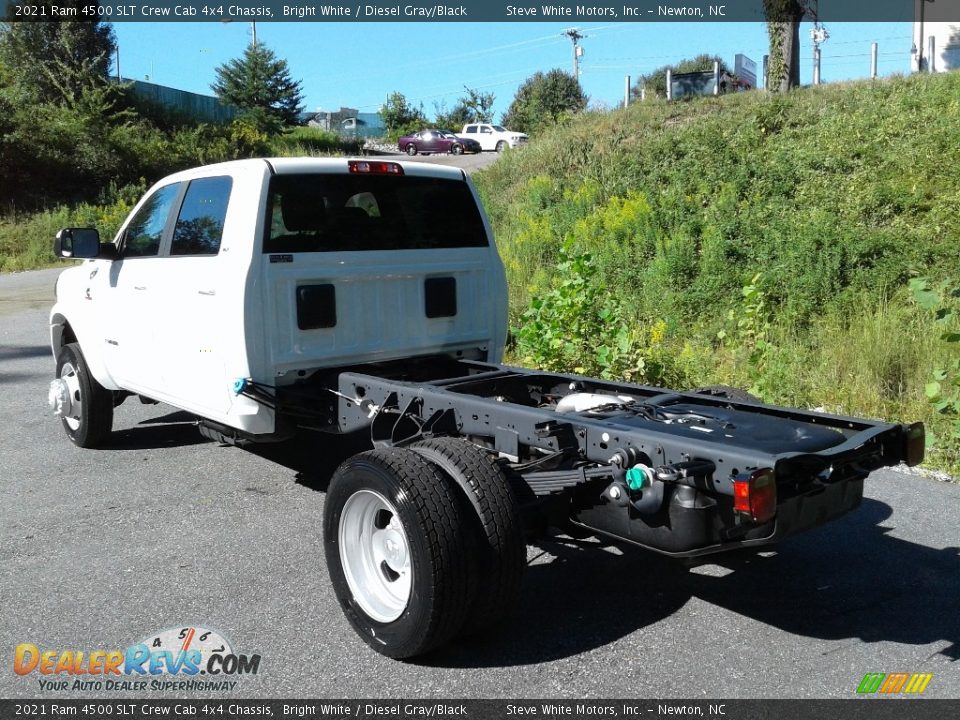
(259, 84)
(451, 119)
(655, 82)
(56, 62)
(474, 107)
(783, 29)
(400, 117)
(544, 99)
(479, 105)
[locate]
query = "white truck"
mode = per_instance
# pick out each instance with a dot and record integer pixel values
(493, 137)
(271, 297)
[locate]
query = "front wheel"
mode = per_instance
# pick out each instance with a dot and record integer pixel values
(411, 149)
(396, 551)
(83, 405)
(456, 149)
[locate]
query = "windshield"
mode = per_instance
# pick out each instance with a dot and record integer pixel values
(325, 213)
(499, 128)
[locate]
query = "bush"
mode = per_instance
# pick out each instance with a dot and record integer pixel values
(306, 141)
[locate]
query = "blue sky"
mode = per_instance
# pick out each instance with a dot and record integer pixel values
(359, 64)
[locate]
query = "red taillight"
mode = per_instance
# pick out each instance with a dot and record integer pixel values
(374, 167)
(915, 444)
(756, 495)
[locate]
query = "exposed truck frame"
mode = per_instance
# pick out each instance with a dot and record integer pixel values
(684, 500)
(425, 532)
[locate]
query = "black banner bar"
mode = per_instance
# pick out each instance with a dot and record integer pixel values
(874, 708)
(567, 11)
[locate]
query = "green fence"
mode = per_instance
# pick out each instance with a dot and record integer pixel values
(204, 108)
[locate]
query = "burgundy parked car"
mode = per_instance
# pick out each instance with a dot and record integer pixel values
(435, 141)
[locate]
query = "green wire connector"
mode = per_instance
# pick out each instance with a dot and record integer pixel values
(638, 477)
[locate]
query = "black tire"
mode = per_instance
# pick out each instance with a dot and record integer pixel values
(90, 425)
(456, 149)
(501, 146)
(495, 522)
(725, 391)
(440, 574)
(411, 149)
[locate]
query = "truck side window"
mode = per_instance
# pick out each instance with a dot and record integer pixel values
(143, 235)
(200, 226)
(471, 128)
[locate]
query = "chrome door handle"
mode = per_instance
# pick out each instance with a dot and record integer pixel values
(207, 292)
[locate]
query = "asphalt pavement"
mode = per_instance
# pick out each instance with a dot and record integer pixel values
(100, 549)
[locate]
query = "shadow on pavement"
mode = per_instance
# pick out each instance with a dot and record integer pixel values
(176, 429)
(314, 456)
(851, 579)
(19, 352)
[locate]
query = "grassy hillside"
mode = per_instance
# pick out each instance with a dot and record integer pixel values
(756, 240)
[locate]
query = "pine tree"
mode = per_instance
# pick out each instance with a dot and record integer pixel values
(56, 62)
(259, 84)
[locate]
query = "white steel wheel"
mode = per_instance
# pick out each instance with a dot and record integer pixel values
(375, 555)
(400, 561)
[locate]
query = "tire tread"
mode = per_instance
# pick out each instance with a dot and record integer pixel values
(502, 545)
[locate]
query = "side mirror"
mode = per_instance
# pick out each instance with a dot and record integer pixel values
(77, 243)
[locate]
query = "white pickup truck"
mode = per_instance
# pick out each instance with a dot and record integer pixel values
(493, 137)
(268, 297)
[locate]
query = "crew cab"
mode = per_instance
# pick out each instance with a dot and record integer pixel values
(493, 137)
(339, 296)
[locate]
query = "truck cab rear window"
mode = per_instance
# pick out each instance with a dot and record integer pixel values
(328, 213)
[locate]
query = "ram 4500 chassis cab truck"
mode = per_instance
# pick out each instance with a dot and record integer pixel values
(274, 297)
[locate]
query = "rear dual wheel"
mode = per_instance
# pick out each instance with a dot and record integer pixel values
(398, 558)
(422, 545)
(494, 523)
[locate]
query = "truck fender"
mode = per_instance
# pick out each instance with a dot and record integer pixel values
(75, 329)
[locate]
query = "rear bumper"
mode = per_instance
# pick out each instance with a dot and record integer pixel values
(693, 524)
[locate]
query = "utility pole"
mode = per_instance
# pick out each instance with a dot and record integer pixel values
(575, 37)
(918, 46)
(253, 34)
(818, 35)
